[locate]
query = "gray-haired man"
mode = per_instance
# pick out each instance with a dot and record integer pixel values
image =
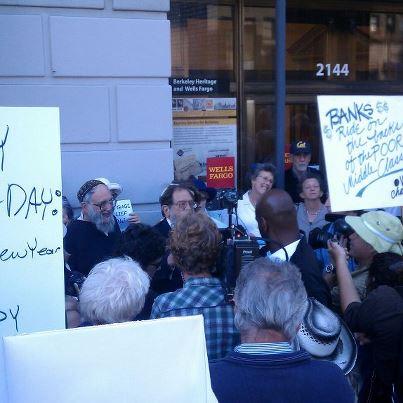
(94, 236)
(269, 308)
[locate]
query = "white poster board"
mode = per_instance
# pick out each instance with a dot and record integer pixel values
(363, 146)
(31, 244)
(130, 362)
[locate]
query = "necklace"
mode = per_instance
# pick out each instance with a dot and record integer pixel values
(314, 213)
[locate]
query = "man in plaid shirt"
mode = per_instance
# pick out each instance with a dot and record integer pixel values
(195, 245)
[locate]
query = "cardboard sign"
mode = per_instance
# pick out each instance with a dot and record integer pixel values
(31, 245)
(127, 362)
(122, 211)
(221, 172)
(363, 146)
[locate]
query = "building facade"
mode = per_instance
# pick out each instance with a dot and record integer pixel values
(107, 64)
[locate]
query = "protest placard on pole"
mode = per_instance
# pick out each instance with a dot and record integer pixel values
(31, 245)
(363, 145)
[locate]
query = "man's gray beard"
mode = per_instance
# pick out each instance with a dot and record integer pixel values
(96, 218)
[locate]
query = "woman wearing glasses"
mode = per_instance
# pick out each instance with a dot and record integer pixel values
(262, 179)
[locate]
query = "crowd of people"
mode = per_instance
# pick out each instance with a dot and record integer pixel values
(304, 325)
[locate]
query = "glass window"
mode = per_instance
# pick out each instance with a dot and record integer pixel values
(258, 140)
(202, 40)
(328, 42)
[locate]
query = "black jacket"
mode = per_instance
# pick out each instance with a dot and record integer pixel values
(168, 278)
(163, 228)
(304, 258)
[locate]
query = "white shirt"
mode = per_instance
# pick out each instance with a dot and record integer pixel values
(247, 216)
(280, 255)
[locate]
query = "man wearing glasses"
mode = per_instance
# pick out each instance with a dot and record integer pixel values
(176, 201)
(93, 237)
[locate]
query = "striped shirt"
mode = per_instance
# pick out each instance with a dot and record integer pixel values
(264, 348)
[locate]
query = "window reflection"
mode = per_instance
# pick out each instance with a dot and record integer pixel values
(202, 39)
(369, 45)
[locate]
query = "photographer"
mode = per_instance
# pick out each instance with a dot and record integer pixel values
(378, 319)
(373, 232)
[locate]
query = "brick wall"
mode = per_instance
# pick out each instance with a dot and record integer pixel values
(106, 64)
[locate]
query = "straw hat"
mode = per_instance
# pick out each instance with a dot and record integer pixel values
(324, 335)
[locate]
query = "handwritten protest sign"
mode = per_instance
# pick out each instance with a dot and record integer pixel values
(122, 211)
(31, 244)
(363, 145)
(127, 362)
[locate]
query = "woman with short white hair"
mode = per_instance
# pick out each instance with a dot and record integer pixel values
(114, 291)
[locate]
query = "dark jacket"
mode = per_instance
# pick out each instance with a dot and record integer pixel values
(380, 317)
(163, 228)
(311, 272)
(285, 378)
(168, 278)
(88, 246)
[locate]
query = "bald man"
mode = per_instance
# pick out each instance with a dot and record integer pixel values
(277, 220)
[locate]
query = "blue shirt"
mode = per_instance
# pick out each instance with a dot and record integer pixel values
(205, 296)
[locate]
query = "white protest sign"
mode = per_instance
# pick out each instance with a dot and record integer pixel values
(122, 211)
(130, 362)
(31, 245)
(363, 145)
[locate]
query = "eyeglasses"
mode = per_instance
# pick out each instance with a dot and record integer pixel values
(104, 204)
(183, 204)
(265, 178)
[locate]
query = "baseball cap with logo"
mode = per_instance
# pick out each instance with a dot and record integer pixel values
(300, 147)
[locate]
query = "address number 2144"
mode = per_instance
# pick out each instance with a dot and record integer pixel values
(331, 70)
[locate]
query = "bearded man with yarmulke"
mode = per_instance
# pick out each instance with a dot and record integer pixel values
(94, 236)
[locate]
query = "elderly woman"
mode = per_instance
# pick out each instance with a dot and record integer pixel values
(262, 179)
(114, 291)
(311, 213)
(195, 246)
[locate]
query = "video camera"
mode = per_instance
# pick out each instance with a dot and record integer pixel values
(336, 228)
(226, 199)
(238, 249)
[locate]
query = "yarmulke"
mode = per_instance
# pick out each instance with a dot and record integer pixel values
(88, 186)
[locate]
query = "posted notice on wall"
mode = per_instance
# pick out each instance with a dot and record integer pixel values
(195, 140)
(31, 244)
(363, 146)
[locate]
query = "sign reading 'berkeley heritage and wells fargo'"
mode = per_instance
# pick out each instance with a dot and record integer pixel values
(363, 145)
(220, 172)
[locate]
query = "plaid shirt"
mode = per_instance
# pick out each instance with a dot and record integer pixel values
(204, 296)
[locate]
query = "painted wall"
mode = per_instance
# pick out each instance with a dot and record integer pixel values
(106, 64)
